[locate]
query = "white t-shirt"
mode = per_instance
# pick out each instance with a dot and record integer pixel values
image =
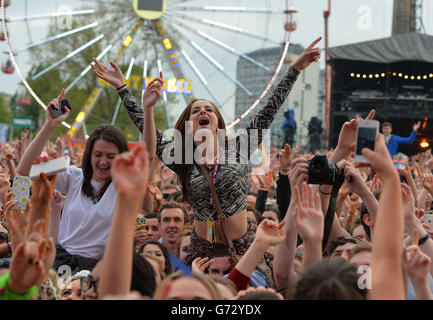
(84, 226)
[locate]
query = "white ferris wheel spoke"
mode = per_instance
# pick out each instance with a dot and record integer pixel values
(224, 26)
(178, 2)
(220, 68)
(144, 78)
(224, 46)
(59, 36)
(68, 56)
(49, 15)
(119, 101)
(201, 77)
(164, 93)
(227, 9)
(99, 57)
(87, 69)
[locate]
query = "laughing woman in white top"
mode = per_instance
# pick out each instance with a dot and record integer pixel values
(90, 195)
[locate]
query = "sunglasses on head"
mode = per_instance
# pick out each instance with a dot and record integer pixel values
(88, 282)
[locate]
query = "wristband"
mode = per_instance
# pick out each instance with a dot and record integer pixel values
(121, 87)
(7, 294)
(324, 192)
(285, 172)
(423, 239)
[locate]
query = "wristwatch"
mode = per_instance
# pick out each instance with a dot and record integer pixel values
(423, 239)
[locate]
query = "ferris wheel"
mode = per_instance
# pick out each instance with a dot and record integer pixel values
(195, 43)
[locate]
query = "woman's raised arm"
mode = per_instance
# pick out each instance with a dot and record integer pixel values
(36, 147)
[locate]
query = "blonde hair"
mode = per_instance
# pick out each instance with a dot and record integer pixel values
(360, 247)
(204, 279)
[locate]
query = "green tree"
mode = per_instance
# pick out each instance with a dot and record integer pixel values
(5, 114)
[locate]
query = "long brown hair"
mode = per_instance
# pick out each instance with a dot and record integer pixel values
(108, 133)
(186, 169)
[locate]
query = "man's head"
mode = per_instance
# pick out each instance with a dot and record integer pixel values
(167, 190)
(172, 217)
(221, 266)
(360, 254)
(366, 220)
(331, 279)
(271, 213)
(341, 246)
(387, 129)
(153, 228)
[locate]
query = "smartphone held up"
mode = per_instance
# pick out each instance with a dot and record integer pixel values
(365, 138)
(55, 113)
(20, 192)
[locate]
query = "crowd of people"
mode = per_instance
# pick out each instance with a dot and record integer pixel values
(174, 220)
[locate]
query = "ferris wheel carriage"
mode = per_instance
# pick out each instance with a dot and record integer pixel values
(23, 100)
(8, 67)
(3, 36)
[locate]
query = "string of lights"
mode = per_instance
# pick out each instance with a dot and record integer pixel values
(393, 74)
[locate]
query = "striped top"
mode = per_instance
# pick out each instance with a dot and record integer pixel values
(232, 175)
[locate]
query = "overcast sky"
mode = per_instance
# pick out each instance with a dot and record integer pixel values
(351, 21)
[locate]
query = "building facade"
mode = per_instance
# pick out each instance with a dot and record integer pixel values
(304, 97)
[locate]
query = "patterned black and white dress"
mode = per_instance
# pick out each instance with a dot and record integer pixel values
(232, 175)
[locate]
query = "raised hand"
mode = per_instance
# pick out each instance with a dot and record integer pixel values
(17, 221)
(24, 134)
(415, 262)
(112, 75)
(30, 261)
(353, 201)
(347, 138)
(380, 159)
(353, 176)
(310, 55)
(376, 183)
(270, 233)
(54, 122)
(427, 180)
(153, 92)
(408, 202)
(264, 179)
(298, 172)
(43, 189)
(343, 192)
(60, 145)
(308, 215)
(199, 265)
(57, 201)
(130, 172)
(4, 186)
(140, 236)
(286, 156)
(416, 126)
(156, 193)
